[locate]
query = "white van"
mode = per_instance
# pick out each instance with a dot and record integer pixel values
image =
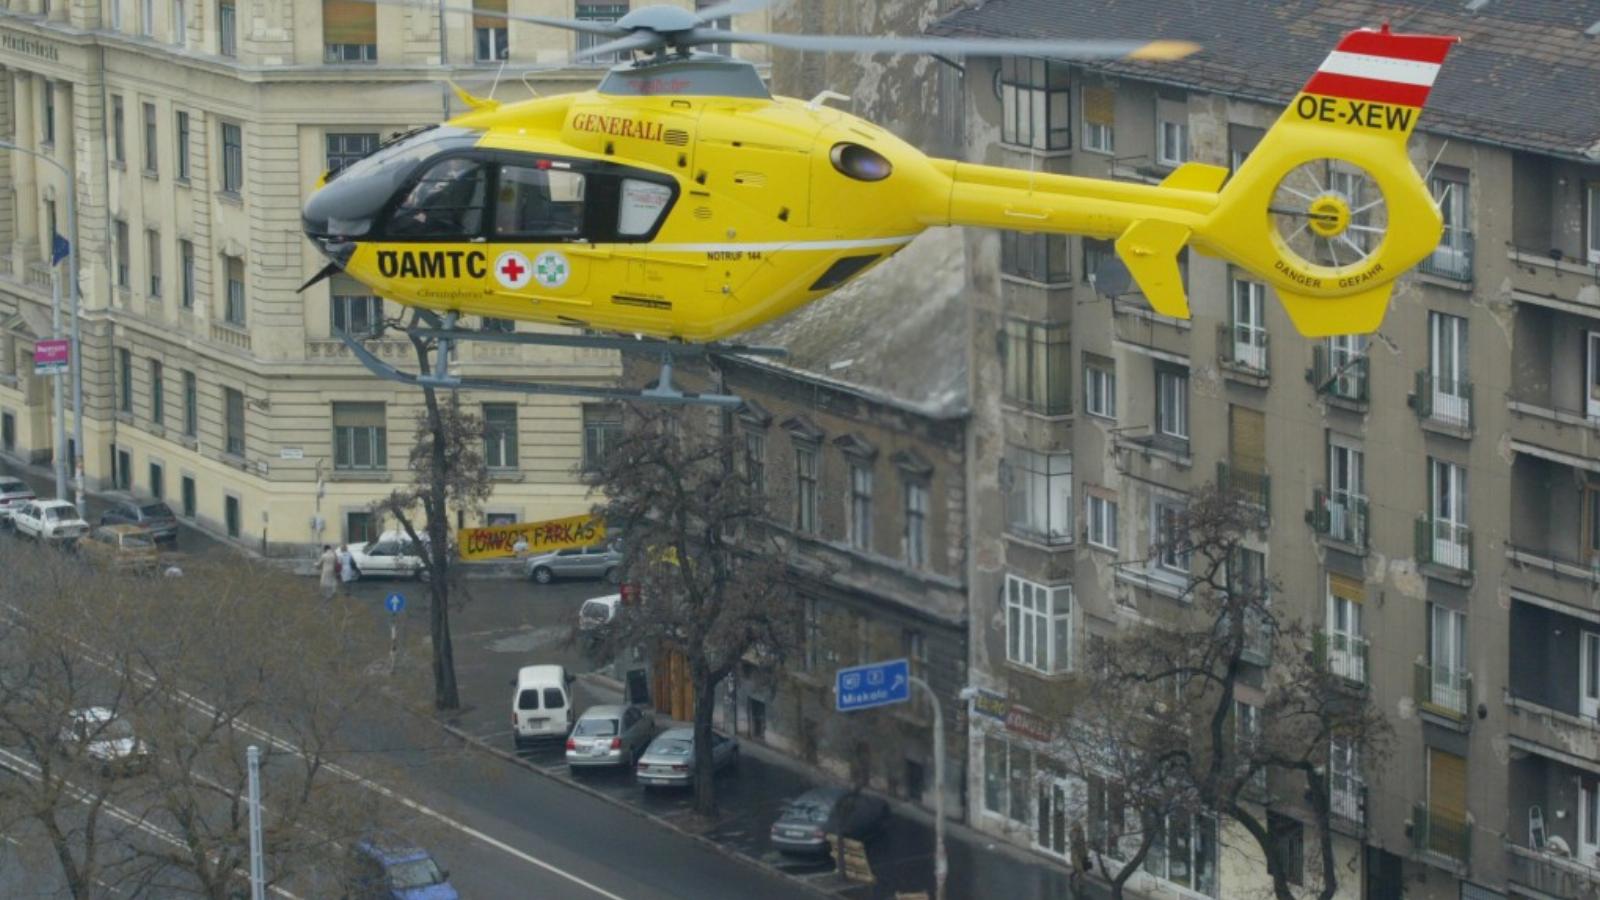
(542, 704)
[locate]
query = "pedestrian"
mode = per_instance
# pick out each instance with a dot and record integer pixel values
(328, 568)
(348, 573)
(1082, 865)
(520, 548)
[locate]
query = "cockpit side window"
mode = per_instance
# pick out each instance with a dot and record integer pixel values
(447, 201)
(642, 204)
(539, 202)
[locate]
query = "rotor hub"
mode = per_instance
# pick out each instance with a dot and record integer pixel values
(1329, 215)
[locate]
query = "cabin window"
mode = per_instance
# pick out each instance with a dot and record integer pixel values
(447, 201)
(539, 201)
(643, 202)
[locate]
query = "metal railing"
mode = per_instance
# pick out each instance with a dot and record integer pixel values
(1347, 382)
(1447, 401)
(1452, 259)
(1554, 875)
(1444, 692)
(1242, 349)
(1345, 655)
(1252, 487)
(1441, 542)
(1340, 516)
(1441, 835)
(1347, 798)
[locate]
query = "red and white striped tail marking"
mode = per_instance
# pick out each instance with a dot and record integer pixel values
(1382, 67)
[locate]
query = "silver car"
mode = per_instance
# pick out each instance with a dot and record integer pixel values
(670, 760)
(13, 492)
(579, 562)
(610, 736)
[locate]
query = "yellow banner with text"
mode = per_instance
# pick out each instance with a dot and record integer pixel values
(503, 541)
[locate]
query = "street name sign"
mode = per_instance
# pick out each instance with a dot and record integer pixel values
(874, 684)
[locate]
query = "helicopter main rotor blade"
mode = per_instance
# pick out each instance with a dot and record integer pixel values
(639, 40)
(728, 9)
(602, 28)
(1069, 49)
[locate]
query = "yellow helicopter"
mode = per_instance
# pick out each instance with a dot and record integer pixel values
(680, 203)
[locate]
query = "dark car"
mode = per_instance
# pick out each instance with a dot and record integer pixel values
(153, 516)
(386, 871)
(807, 821)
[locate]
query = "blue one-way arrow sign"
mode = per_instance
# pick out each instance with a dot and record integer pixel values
(874, 684)
(394, 602)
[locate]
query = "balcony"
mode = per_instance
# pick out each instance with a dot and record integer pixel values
(1452, 259)
(1444, 402)
(1552, 875)
(1444, 547)
(1550, 277)
(1440, 837)
(1242, 353)
(1345, 383)
(1254, 488)
(231, 335)
(1339, 516)
(1347, 801)
(1344, 655)
(1446, 693)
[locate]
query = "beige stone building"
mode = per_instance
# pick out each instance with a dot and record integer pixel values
(194, 129)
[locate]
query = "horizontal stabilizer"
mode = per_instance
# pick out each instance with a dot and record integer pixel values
(1359, 313)
(1149, 249)
(1193, 176)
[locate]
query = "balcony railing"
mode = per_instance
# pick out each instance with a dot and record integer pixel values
(1443, 692)
(1340, 516)
(1440, 835)
(1242, 349)
(1553, 875)
(1447, 401)
(1254, 488)
(1347, 799)
(1452, 259)
(1348, 381)
(1441, 542)
(1345, 655)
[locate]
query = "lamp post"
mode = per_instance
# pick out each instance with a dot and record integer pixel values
(75, 361)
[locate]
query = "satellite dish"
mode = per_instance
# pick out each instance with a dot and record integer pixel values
(1111, 278)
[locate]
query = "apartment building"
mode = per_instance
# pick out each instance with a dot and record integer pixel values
(194, 129)
(1428, 493)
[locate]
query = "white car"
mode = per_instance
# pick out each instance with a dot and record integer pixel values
(105, 741)
(13, 493)
(49, 520)
(391, 555)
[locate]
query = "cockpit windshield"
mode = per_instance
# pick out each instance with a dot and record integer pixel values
(347, 204)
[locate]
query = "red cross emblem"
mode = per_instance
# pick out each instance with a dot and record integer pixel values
(512, 270)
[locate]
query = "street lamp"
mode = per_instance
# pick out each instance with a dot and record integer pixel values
(75, 360)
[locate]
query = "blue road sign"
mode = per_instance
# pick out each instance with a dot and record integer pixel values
(394, 602)
(874, 684)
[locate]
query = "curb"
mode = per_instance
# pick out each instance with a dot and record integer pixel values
(726, 852)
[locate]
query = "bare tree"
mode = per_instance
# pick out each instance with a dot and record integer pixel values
(712, 578)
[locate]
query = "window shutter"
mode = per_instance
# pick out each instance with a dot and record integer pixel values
(1346, 587)
(358, 415)
(1447, 785)
(1099, 106)
(493, 6)
(1247, 434)
(350, 22)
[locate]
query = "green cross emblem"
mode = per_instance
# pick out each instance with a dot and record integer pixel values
(550, 269)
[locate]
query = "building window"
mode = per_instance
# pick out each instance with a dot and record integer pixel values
(1035, 256)
(1448, 684)
(158, 481)
(234, 312)
(152, 154)
(1184, 853)
(190, 501)
(599, 12)
(358, 528)
(602, 429)
(1173, 144)
(355, 314)
(180, 23)
(349, 31)
(1100, 389)
(344, 149)
(1589, 674)
(1038, 625)
(1346, 788)
(1346, 648)
(1171, 532)
(116, 15)
(1591, 195)
(147, 18)
(1591, 393)
(500, 435)
(1172, 403)
(152, 247)
(119, 149)
(1038, 494)
(1249, 328)
(755, 461)
(914, 645)
(233, 157)
(1102, 522)
(186, 273)
(805, 489)
(191, 407)
(227, 31)
(360, 438)
(1035, 104)
(1448, 393)
(811, 624)
(860, 506)
(1590, 516)
(121, 236)
(233, 402)
(1037, 366)
(1448, 485)
(48, 134)
(1099, 115)
(158, 393)
(1453, 257)
(1008, 782)
(489, 30)
(124, 380)
(916, 524)
(183, 146)
(233, 516)
(1288, 839)
(1096, 255)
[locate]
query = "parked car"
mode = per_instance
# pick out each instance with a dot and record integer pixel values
(597, 612)
(13, 492)
(56, 521)
(121, 548)
(541, 706)
(601, 561)
(610, 736)
(391, 555)
(669, 762)
(808, 819)
(152, 516)
(381, 870)
(106, 740)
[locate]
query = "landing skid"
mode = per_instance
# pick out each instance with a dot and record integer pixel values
(664, 392)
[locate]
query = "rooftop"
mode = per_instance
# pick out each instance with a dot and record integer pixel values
(1526, 75)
